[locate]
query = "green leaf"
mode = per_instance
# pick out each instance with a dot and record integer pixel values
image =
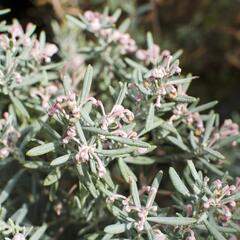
(158, 122)
(122, 94)
(116, 152)
(97, 131)
(157, 180)
(213, 230)
(4, 11)
(177, 54)
(135, 194)
(151, 127)
(30, 79)
(53, 133)
(87, 82)
(194, 172)
(177, 182)
(150, 232)
(39, 233)
(107, 178)
(134, 64)
(80, 132)
(117, 14)
(150, 116)
(211, 167)
(209, 127)
(118, 228)
(42, 149)
(181, 80)
(214, 153)
(204, 107)
(19, 106)
(52, 66)
(60, 160)
(124, 25)
(42, 40)
(173, 221)
(9, 187)
(76, 22)
(85, 116)
(185, 99)
(86, 179)
(33, 164)
(178, 143)
(154, 188)
(20, 214)
(130, 142)
(126, 171)
(141, 160)
(52, 177)
(67, 84)
(150, 41)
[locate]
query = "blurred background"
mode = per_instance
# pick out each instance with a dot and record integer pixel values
(207, 31)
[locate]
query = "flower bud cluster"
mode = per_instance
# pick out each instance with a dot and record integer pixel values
(19, 39)
(85, 154)
(67, 106)
(45, 93)
(8, 137)
(221, 192)
(156, 80)
(102, 26)
(228, 128)
(139, 213)
(150, 55)
(116, 117)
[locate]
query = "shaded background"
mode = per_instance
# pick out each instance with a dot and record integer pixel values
(208, 32)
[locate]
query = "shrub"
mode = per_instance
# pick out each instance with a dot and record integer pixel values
(87, 140)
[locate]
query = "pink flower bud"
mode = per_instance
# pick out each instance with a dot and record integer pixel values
(19, 236)
(110, 199)
(53, 109)
(49, 50)
(159, 235)
(4, 152)
(18, 77)
(232, 204)
(218, 184)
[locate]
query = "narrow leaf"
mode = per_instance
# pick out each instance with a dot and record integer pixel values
(178, 143)
(76, 22)
(122, 94)
(126, 171)
(177, 182)
(87, 81)
(52, 177)
(141, 160)
(118, 228)
(173, 221)
(213, 230)
(150, 116)
(194, 171)
(204, 107)
(60, 160)
(135, 194)
(209, 127)
(19, 106)
(42, 149)
(39, 233)
(9, 187)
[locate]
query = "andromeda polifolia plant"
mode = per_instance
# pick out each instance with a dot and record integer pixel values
(104, 141)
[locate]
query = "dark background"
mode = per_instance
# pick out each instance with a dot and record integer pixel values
(208, 32)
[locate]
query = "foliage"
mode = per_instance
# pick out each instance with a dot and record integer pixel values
(86, 142)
